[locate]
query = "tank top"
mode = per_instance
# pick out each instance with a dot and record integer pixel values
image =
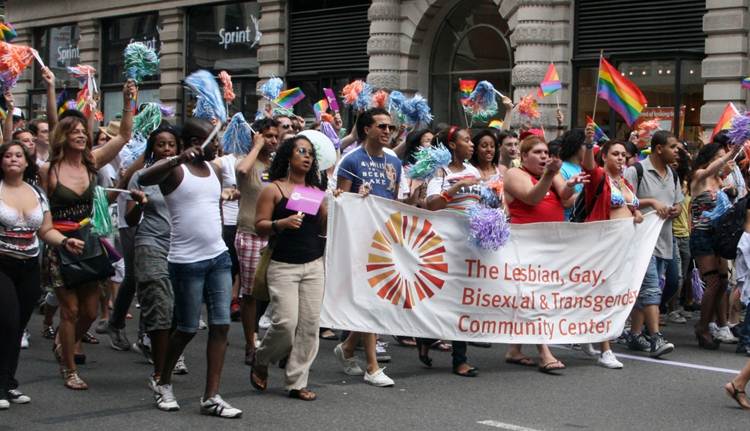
(230, 209)
(549, 209)
(67, 205)
(708, 206)
(196, 218)
(297, 246)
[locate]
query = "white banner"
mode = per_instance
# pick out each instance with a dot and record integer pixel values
(396, 269)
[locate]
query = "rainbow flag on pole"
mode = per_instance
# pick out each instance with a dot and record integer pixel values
(320, 107)
(496, 124)
(620, 93)
(598, 132)
(551, 82)
(465, 87)
(746, 83)
(725, 121)
(288, 98)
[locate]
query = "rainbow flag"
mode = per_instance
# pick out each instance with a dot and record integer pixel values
(320, 107)
(497, 124)
(288, 98)
(725, 120)
(465, 87)
(598, 132)
(746, 82)
(620, 93)
(551, 82)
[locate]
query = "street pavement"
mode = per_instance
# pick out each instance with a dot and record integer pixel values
(682, 392)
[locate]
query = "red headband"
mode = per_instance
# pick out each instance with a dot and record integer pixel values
(451, 131)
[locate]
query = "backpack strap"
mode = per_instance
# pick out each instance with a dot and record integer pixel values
(639, 173)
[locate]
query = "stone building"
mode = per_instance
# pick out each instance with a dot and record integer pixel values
(687, 56)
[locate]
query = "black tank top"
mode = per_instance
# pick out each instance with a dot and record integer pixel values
(298, 246)
(65, 204)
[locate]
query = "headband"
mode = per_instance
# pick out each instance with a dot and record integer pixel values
(451, 131)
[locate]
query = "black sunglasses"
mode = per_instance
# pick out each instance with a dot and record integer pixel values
(389, 127)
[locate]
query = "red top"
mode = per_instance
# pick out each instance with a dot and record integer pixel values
(550, 208)
(600, 210)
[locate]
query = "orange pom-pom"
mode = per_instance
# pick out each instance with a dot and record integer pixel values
(528, 107)
(326, 117)
(351, 91)
(15, 58)
(379, 98)
(226, 83)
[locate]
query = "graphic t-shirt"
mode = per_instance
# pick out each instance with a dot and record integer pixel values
(382, 172)
(466, 196)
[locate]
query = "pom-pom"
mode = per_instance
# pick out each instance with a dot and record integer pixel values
(739, 133)
(166, 111)
(483, 96)
(491, 194)
(352, 91)
(132, 150)
(81, 72)
(328, 130)
(226, 83)
(483, 115)
(698, 285)
(101, 222)
(147, 120)
(488, 227)
(280, 111)
(140, 61)
(271, 88)
(238, 138)
(14, 59)
(722, 205)
(326, 118)
(416, 111)
(379, 99)
(210, 103)
(396, 100)
(528, 107)
(428, 161)
(7, 80)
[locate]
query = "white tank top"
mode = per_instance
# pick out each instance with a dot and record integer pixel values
(196, 220)
(229, 180)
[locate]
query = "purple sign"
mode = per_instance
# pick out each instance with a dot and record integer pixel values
(306, 200)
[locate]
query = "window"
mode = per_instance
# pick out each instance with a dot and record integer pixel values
(117, 34)
(58, 47)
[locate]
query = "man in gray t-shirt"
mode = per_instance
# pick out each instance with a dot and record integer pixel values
(658, 189)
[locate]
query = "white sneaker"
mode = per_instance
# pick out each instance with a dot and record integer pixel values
(724, 334)
(25, 338)
(264, 322)
(713, 328)
(608, 360)
(202, 324)
(4, 405)
(351, 366)
(180, 367)
(17, 397)
(589, 350)
(379, 379)
(381, 352)
(215, 406)
(676, 317)
(165, 399)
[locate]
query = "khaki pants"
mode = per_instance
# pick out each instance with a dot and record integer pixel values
(296, 292)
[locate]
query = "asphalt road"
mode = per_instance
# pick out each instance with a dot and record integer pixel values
(683, 392)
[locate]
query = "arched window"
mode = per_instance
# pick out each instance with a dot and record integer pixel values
(472, 43)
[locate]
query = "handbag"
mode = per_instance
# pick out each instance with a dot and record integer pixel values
(91, 265)
(260, 284)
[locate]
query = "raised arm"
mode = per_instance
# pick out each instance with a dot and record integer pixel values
(49, 82)
(245, 165)
(8, 122)
(714, 167)
(107, 152)
(508, 104)
(589, 164)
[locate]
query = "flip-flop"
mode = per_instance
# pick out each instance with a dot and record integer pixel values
(405, 341)
(549, 369)
(523, 361)
(442, 346)
(303, 394)
(257, 381)
(330, 336)
(734, 394)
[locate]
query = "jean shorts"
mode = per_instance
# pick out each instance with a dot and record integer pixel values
(702, 242)
(651, 289)
(208, 280)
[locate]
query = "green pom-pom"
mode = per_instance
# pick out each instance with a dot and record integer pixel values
(140, 61)
(101, 222)
(147, 120)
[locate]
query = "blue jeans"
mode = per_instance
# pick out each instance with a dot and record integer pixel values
(745, 331)
(672, 275)
(650, 293)
(208, 280)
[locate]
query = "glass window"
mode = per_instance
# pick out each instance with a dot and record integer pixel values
(691, 99)
(587, 81)
(112, 107)
(656, 79)
(224, 38)
(58, 47)
(117, 34)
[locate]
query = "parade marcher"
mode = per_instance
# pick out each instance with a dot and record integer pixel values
(509, 156)
(571, 154)
(486, 156)
(24, 219)
(199, 264)
(657, 189)
(295, 272)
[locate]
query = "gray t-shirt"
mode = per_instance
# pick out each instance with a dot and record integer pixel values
(155, 227)
(665, 190)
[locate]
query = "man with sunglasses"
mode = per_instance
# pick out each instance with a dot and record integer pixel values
(369, 170)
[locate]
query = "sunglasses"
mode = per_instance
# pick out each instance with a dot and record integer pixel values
(390, 127)
(286, 126)
(304, 152)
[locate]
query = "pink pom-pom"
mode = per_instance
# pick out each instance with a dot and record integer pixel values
(379, 99)
(647, 128)
(226, 83)
(351, 91)
(528, 107)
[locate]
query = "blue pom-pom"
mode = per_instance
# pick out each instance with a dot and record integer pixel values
(428, 161)
(483, 96)
(237, 137)
(132, 150)
(363, 99)
(210, 101)
(416, 111)
(271, 88)
(488, 227)
(488, 197)
(396, 100)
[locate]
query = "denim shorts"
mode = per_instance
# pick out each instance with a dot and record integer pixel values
(702, 242)
(208, 280)
(650, 293)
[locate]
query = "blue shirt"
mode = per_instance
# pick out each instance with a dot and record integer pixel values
(568, 170)
(382, 172)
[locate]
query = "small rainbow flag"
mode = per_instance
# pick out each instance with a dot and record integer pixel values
(466, 86)
(7, 32)
(746, 82)
(551, 82)
(598, 132)
(725, 120)
(497, 124)
(620, 93)
(3, 114)
(320, 107)
(288, 98)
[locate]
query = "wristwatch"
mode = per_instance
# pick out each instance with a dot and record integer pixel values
(590, 145)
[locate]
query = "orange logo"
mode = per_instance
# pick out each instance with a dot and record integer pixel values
(406, 260)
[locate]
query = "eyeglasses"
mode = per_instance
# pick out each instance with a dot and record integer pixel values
(304, 152)
(390, 127)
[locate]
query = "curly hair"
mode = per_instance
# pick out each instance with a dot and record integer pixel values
(59, 143)
(148, 154)
(280, 165)
(478, 137)
(30, 174)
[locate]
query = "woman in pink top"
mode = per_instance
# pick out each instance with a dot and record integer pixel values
(536, 193)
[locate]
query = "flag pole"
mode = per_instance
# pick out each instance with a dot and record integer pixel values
(461, 106)
(596, 90)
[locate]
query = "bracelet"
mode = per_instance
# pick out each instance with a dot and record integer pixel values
(590, 146)
(446, 196)
(561, 127)
(64, 241)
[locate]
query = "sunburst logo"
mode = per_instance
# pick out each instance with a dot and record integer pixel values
(406, 260)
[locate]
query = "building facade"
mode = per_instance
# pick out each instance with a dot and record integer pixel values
(687, 56)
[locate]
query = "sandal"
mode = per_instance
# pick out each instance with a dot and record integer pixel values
(57, 351)
(48, 332)
(249, 356)
(89, 338)
(405, 341)
(737, 395)
(303, 394)
(424, 355)
(706, 341)
(327, 334)
(524, 361)
(73, 381)
(259, 380)
(471, 372)
(550, 367)
(442, 346)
